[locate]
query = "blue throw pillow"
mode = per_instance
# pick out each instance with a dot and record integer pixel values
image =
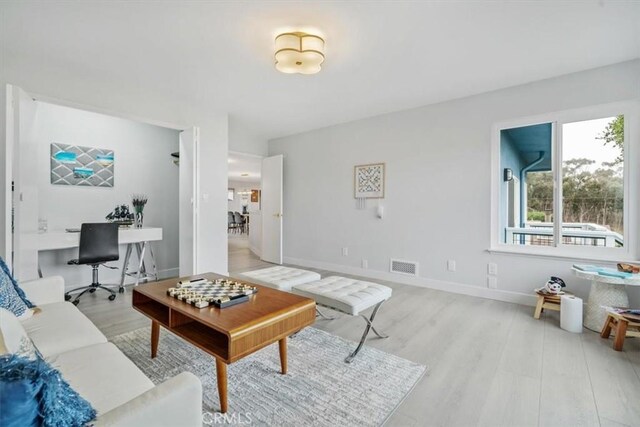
(20, 292)
(19, 403)
(26, 384)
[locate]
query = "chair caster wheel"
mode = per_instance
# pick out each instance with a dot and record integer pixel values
(76, 302)
(121, 290)
(112, 297)
(67, 297)
(92, 290)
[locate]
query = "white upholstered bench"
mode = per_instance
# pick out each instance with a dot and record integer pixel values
(280, 277)
(350, 296)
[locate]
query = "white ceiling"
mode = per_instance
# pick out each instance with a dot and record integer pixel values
(240, 164)
(381, 56)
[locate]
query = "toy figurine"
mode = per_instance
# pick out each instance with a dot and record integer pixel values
(554, 285)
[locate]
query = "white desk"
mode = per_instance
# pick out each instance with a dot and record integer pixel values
(132, 237)
(54, 240)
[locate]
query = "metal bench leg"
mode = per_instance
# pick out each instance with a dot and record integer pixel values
(367, 328)
(321, 314)
(373, 328)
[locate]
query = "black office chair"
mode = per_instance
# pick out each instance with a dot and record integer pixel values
(98, 245)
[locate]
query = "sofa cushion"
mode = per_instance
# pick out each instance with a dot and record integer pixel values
(350, 296)
(102, 375)
(61, 327)
(279, 277)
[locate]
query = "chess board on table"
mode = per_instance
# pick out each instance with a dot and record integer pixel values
(220, 293)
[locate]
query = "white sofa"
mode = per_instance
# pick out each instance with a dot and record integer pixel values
(121, 394)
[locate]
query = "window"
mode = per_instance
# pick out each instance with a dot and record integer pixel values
(563, 184)
(593, 182)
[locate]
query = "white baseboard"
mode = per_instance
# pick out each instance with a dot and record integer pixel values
(458, 288)
(255, 250)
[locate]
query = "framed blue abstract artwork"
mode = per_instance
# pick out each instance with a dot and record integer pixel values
(76, 165)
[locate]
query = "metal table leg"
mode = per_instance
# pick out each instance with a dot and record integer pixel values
(153, 261)
(125, 265)
(141, 252)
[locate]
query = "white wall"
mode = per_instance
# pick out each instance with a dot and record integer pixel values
(438, 159)
(235, 205)
(241, 140)
(143, 165)
(128, 98)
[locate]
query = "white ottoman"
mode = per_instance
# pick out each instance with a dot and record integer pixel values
(350, 296)
(279, 277)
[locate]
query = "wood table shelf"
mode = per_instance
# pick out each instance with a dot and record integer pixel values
(227, 334)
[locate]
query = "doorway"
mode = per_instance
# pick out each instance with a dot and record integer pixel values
(49, 202)
(255, 214)
(244, 210)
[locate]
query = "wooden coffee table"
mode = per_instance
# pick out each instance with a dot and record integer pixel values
(230, 333)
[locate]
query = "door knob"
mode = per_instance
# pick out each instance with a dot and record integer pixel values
(278, 215)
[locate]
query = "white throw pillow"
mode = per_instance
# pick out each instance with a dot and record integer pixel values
(13, 336)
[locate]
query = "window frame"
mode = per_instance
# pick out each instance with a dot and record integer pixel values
(631, 181)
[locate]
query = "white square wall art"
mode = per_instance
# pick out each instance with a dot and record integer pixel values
(369, 181)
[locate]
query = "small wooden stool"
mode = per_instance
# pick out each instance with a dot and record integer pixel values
(550, 302)
(621, 325)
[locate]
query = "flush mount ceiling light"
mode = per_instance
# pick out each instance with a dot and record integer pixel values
(300, 53)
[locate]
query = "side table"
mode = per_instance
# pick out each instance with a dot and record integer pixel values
(606, 291)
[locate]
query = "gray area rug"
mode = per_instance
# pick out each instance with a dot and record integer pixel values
(319, 389)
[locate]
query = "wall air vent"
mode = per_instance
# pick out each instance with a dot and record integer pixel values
(404, 267)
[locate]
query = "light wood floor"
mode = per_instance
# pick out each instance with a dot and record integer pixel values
(489, 362)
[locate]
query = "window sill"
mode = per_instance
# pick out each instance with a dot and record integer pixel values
(614, 257)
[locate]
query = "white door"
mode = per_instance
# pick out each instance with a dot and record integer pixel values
(188, 200)
(6, 237)
(272, 209)
(22, 212)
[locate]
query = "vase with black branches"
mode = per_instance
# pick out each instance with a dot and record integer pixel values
(139, 201)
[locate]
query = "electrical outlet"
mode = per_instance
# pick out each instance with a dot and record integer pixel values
(365, 263)
(492, 282)
(451, 265)
(345, 251)
(492, 268)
